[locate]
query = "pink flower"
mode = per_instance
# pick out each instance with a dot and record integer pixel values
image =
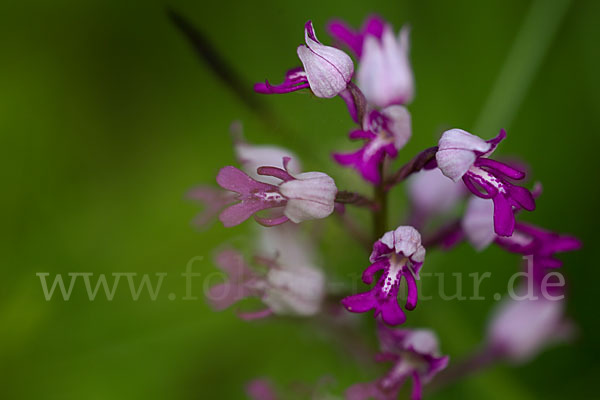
(309, 195)
(326, 72)
(465, 156)
(384, 75)
(385, 132)
(399, 254)
(415, 355)
(284, 285)
(527, 239)
(521, 329)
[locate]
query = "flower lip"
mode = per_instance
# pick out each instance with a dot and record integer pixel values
(295, 79)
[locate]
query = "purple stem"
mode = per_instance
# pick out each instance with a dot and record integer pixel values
(356, 199)
(479, 360)
(414, 165)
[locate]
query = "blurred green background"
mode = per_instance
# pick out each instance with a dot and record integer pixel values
(107, 118)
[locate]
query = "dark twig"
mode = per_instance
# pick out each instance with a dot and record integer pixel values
(360, 102)
(356, 199)
(206, 50)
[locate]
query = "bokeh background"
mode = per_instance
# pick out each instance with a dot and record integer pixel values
(108, 117)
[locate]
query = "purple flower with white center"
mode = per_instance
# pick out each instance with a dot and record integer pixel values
(305, 196)
(399, 254)
(385, 132)
(286, 288)
(527, 239)
(250, 157)
(327, 70)
(415, 355)
(520, 329)
(463, 155)
(384, 75)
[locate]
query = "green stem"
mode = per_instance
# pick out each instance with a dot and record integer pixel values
(381, 213)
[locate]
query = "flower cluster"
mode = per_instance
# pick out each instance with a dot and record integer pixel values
(283, 269)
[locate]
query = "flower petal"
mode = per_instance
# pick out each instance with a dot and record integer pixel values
(457, 152)
(235, 180)
(504, 219)
(328, 69)
(238, 213)
(310, 196)
(478, 222)
(398, 124)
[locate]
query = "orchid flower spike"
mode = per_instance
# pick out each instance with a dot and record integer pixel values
(385, 132)
(301, 197)
(399, 254)
(384, 75)
(285, 289)
(463, 155)
(415, 354)
(327, 70)
(520, 329)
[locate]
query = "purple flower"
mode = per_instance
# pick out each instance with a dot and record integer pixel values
(462, 155)
(373, 26)
(326, 72)
(310, 195)
(543, 244)
(398, 254)
(385, 132)
(527, 239)
(384, 75)
(285, 286)
(521, 329)
(415, 355)
(242, 281)
(250, 157)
